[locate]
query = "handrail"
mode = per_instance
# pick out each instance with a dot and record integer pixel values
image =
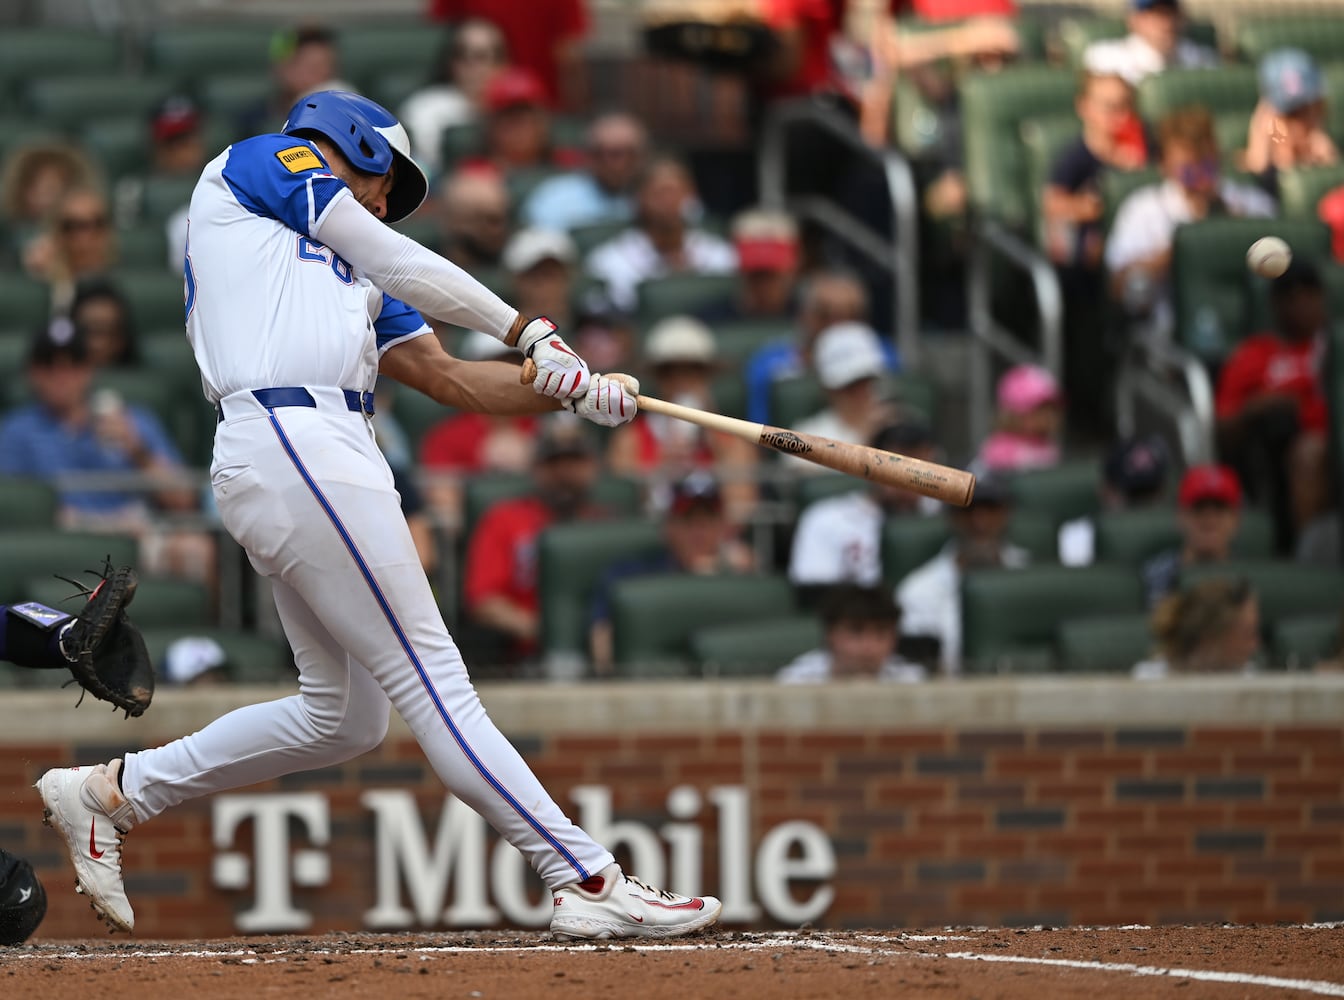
(1147, 372)
(988, 335)
(902, 256)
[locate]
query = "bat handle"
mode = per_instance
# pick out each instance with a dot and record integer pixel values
(528, 373)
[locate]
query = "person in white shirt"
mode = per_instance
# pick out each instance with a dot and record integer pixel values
(862, 629)
(1138, 251)
(839, 539)
(1212, 627)
(661, 242)
(930, 597)
(1154, 44)
(474, 53)
(1133, 474)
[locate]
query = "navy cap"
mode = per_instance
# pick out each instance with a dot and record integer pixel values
(699, 490)
(1137, 467)
(1290, 80)
(1155, 4)
(58, 339)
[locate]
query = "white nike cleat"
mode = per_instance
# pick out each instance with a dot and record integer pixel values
(85, 806)
(611, 904)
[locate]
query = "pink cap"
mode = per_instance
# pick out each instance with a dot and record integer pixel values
(1025, 387)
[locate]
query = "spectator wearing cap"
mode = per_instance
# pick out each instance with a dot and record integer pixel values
(540, 263)
(1271, 405)
(102, 314)
(681, 358)
(1287, 129)
(195, 661)
(603, 188)
(473, 52)
(930, 596)
(518, 124)
(698, 538)
(861, 629)
(179, 151)
(1031, 411)
(849, 362)
(839, 539)
(473, 219)
(500, 576)
(304, 60)
(661, 242)
(1133, 476)
(1154, 44)
(768, 256)
(1209, 514)
(1212, 627)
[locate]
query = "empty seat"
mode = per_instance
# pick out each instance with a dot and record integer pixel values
(26, 503)
(1063, 493)
(1302, 189)
(233, 94)
(370, 51)
(160, 602)
(156, 295)
(1131, 537)
(1224, 88)
(68, 102)
(1322, 37)
(165, 196)
(594, 234)
(737, 340)
(27, 302)
(754, 649)
(191, 53)
(121, 144)
(29, 52)
(1299, 642)
(30, 554)
(1111, 644)
(682, 293)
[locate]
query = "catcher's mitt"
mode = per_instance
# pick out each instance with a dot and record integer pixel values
(107, 653)
(23, 901)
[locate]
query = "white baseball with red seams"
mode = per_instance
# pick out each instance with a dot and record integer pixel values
(1269, 257)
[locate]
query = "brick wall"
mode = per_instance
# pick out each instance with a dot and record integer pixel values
(1014, 825)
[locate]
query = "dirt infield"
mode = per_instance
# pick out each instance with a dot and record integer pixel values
(1217, 962)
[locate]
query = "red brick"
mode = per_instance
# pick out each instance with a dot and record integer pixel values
(991, 845)
(1202, 814)
(1068, 791)
(1071, 843)
(1325, 764)
(1151, 895)
(731, 743)
(652, 770)
(773, 743)
(1236, 894)
(1108, 763)
(1221, 737)
(1273, 914)
(1187, 869)
(1053, 896)
(907, 792)
(793, 768)
(1314, 737)
(907, 846)
(1150, 843)
(1307, 840)
(832, 742)
(948, 820)
(1185, 762)
(1267, 813)
(917, 739)
(667, 743)
(858, 899)
(1331, 867)
(1012, 764)
(575, 745)
(1279, 761)
(700, 772)
(993, 899)
(1109, 817)
(1307, 788)
(1094, 869)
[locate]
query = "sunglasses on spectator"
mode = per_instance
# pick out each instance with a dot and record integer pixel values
(93, 223)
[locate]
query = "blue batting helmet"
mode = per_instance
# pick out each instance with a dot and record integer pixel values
(370, 137)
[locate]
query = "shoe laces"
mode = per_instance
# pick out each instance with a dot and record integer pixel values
(669, 896)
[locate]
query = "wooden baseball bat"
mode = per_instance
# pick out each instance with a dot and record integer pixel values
(942, 482)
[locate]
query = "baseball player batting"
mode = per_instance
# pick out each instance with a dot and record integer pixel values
(297, 297)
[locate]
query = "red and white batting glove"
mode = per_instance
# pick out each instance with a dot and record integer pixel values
(561, 373)
(610, 400)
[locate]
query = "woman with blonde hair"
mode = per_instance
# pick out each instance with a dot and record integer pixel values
(1209, 627)
(80, 244)
(33, 180)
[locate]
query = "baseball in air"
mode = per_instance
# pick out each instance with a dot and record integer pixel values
(1269, 256)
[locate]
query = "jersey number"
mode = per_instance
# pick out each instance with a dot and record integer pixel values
(312, 250)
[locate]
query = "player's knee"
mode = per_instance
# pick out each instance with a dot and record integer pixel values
(363, 729)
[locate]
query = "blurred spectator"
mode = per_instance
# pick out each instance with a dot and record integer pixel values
(603, 190)
(861, 631)
(455, 95)
(178, 150)
(500, 578)
(68, 428)
(541, 264)
(1113, 138)
(1271, 405)
(1154, 44)
(1138, 250)
(1209, 503)
(79, 244)
(1288, 127)
(1133, 475)
(603, 335)
(681, 355)
(1212, 627)
(303, 60)
(518, 126)
(849, 361)
(826, 299)
(1031, 414)
(768, 252)
(545, 37)
(473, 219)
(697, 538)
(195, 661)
(103, 316)
(839, 539)
(36, 176)
(661, 242)
(930, 597)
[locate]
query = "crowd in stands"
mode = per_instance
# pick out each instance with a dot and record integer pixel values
(570, 206)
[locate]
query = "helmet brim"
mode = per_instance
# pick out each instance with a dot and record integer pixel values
(409, 189)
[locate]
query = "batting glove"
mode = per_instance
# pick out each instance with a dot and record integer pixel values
(611, 400)
(561, 374)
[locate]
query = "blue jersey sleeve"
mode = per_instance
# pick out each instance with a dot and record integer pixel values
(284, 178)
(397, 322)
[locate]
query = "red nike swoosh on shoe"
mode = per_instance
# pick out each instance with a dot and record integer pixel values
(638, 920)
(93, 846)
(690, 904)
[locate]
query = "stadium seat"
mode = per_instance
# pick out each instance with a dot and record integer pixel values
(156, 295)
(165, 196)
(1076, 33)
(1231, 128)
(417, 413)
(1210, 288)
(392, 89)
(420, 227)
(1226, 88)
(250, 658)
(680, 294)
(730, 395)
(1334, 100)
(459, 142)
(120, 143)
(143, 246)
(621, 496)
(69, 101)
(522, 181)
(27, 302)
(994, 105)
(369, 51)
(17, 130)
(1063, 493)
(1286, 589)
(191, 53)
(233, 94)
(1299, 642)
(739, 339)
(909, 542)
(29, 52)
(1111, 644)
(594, 234)
(810, 489)
(1131, 537)
(653, 616)
(26, 503)
(1302, 189)
(1044, 139)
(794, 399)
(1010, 617)
(754, 649)
(27, 555)
(160, 602)
(13, 361)
(1322, 37)
(1117, 185)
(169, 353)
(571, 560)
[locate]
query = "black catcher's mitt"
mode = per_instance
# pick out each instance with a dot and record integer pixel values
(107, 653)
(23, 901)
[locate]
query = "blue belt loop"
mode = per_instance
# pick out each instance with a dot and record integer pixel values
(355, 401)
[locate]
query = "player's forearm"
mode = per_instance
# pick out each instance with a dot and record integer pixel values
(479, 386)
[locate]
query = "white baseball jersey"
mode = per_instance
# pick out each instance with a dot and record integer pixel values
(267, 304)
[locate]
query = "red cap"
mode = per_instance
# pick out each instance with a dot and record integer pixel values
(174, 117)
(1210, 484)
(763, 254)
(514, 86)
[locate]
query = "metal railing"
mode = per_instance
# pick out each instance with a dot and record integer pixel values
(901, 257)
(1176, 384)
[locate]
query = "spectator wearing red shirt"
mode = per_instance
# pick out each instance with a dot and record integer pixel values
(500, 585)
(541, 36)
(1271, 405)
(518, 125)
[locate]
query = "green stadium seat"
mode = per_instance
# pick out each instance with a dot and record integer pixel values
(810, 489)
(26, 503)
(1131, 537)
(18, 130)
(392, 89)
(794, 399)
(587, 237)
(143, 246)
(730, 395)
(13, 361)
(121, 144)
(653, 617)
(27, 302)
(29, 554)
(420, 227)
(160, 602)
(70, 101)
(165, 196)
(754, 649)
(1322, 37)
(1211, 290)
(157, 296)
(190, 53)
(1286, 589)
(1045, 139)
(1231, 129)
(571, 561)
(1301, 190)
(250, 658)
(459, 142)
(1117, 185)
(1334, 99)
(370, 51)
(233, 94)
(1299, 642)
(29, 52)
(739, 339)
(1061, 494)
(522, 181)
(680, 294)
(909, 542)
(621, 496)
(417, 413)
(1226, 88)
(169, 353)
(1076, 33)
(994, 105)
(1010, 617)
(1110, 645)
